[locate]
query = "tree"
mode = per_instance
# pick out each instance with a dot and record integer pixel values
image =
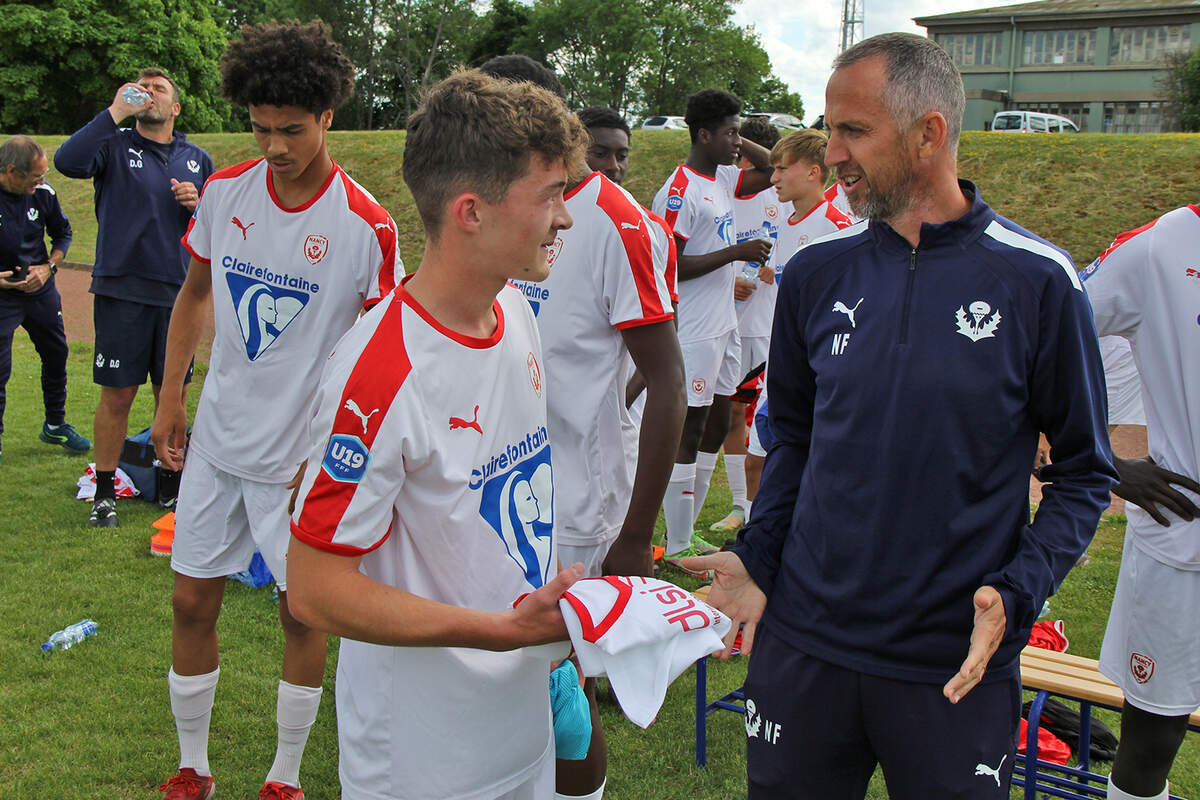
(503, 27)
(1180, 84)
(63, 60)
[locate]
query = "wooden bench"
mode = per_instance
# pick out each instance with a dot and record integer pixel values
(1046, 673)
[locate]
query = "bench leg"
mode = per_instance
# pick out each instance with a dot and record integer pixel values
(701, 709)
(1031, 744)
(1085, 734)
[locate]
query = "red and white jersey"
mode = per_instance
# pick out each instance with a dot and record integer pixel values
(757, 217)
(606, 275)
(699, 210)
(664, 243)
(1146, 287)
(796, 234)
(836, 196)
(430, 458)
(286, 284)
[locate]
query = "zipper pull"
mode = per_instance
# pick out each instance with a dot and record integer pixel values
(912, 260)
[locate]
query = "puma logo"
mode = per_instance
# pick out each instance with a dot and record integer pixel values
(626, 225)
(353, 408)
(840, 308)
(984, 769)
(137, 153)
(244, 228)
(386, 226)
(459, 422)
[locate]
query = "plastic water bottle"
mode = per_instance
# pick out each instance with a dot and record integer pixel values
(70, 635)
(135, 96)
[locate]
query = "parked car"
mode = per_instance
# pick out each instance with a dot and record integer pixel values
(1032, 122)
(784, 122)
(661, 123)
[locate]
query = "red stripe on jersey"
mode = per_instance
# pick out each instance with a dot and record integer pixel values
(376, 378)
(626, 216)
(839, 219)
(1125, 237)
(831, 192)
(184, 240)
(672, 256)
(384, 226)
(1194, 208)
(233, 172)
(307, 203)
(666, 316)
(678, 189)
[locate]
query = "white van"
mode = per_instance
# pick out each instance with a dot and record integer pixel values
(1032, 122)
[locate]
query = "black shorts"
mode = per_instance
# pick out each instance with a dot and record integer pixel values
(131, 342)
(817, 730)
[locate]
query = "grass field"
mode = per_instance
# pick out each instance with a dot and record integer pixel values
(1077, 191)
(93, 723)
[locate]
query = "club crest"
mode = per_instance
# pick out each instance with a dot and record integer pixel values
(553, 251)
(315, 247)
(1141, 666)
(975, 324)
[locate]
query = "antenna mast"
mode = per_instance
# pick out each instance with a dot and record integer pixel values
(852, 23)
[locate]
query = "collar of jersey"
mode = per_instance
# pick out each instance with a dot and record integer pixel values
(474, 342)
(307, 203)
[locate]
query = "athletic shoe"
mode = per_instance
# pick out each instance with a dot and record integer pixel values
(274, 790)
(64, 435)
(674, 560)
(732, 522)
(104, 514)
(187, 785)
(702, 547)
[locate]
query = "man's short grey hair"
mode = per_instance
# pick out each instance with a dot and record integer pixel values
(20, 152)
(921, 78)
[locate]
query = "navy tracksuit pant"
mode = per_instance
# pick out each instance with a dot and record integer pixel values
(41, 316)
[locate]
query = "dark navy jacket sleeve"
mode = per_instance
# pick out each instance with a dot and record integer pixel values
(791, 388)
(57, 224)
(84, 154)
(1069, 404)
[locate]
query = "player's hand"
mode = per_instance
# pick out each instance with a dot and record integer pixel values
(1043, 456)
(742, 288)
(186, 193)
(629, 558)
(766, 274)
(537, 618)
(1148, 485)
(758, 250)
(120, 108)
(733, 592)
(990, 624)
(39, 274)
(294, 485)
(169, 434)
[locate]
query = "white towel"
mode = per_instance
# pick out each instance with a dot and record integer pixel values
(641, 632)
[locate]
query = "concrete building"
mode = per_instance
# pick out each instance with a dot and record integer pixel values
(1098, 62)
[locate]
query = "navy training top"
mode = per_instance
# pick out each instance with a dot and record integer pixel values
(25, 219)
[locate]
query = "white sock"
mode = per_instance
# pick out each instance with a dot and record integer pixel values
(295, 713)
(735, 472)
(191, 704)
(746, 508)
(705, 464)
(1115, 793)
(596, 795)
(677, 507)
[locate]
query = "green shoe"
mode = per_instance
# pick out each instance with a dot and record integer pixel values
(65, 435)
(732, 522)
(674, 560)
(702, 547)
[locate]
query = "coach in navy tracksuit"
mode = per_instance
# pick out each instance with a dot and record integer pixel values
(147, 180)
(29, 210)
(914, 359)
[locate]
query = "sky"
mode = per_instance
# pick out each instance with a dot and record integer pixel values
(802, 37)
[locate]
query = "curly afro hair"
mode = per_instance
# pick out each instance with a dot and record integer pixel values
(603, 117)
(287, 64)
(708, 108)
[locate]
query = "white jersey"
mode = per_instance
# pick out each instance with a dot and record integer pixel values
(606, 275)
(836, 196)
(757, 217)
(286, 284)
(430, 458)
(1122, 381)
(699, 210)
(796, 234)
(1146, 287)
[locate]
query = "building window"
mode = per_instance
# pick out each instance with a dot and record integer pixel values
(1059, 47)
(1143, 117)
(1148, 44)
(971, 49)
(1076, 112)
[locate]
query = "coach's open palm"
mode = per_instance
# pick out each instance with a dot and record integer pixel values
(733, 592)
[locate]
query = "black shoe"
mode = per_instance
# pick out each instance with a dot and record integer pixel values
(104, 514)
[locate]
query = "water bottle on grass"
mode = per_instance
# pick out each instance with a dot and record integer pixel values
(70, 635)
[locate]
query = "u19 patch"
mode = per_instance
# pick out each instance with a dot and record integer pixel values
(346, 458)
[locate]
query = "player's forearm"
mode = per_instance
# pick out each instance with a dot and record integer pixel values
(57, 256)
(694, 266)
(662, 425)
(328, 593)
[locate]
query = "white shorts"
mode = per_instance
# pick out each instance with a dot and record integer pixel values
(754, 352)
(590, 555)
(1152, 645)
(540, 785)
(220, 519)
(712, 367)
(753, 445)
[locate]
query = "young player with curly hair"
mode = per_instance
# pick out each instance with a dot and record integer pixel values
(287, 251)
